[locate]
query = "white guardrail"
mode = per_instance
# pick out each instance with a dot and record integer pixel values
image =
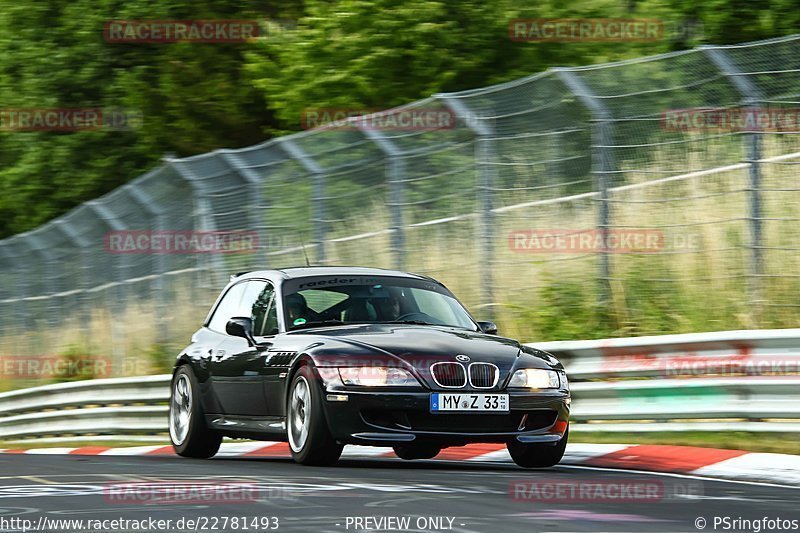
(733, 380)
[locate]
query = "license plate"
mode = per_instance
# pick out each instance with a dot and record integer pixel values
(469, 402)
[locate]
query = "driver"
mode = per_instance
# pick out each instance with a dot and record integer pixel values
(297, 308)
(388, 308)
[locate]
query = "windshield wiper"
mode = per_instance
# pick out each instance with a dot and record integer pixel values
(423, 323)
(332, 322)
(416, 322)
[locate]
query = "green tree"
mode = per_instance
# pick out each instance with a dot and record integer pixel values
(191, 98)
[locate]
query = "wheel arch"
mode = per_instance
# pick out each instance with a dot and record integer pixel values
(304, 359)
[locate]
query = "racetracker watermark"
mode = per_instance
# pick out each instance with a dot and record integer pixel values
(593, 241)
(731, 120)
(731, 366)
(599, 490)
(181, 242)
(188, 492)
(173, 31)
(55, 366)
(69, 119)
(368, 119)
(698, 364)
(572, 30)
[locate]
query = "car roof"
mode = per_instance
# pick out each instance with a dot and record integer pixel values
(308, 271)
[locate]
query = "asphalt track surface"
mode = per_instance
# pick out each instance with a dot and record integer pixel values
(477, 497)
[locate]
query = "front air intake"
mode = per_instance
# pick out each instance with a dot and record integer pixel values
(483, 375)
(449, 375)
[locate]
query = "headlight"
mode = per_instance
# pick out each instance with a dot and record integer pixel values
(534, 378)
(377, 376)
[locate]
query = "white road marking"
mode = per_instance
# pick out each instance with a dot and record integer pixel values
(754, 466)
(49, 451)
(682, 476)
(131, 450)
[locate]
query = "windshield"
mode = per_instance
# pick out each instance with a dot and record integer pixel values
(358, 300)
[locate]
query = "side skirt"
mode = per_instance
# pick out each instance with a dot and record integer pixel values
(249, 427)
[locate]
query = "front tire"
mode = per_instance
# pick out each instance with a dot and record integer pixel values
(538, 455)
(188, 432)
(310, 440)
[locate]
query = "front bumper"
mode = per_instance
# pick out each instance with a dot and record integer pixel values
(395, 418)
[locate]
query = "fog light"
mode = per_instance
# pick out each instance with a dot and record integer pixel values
(337, 397)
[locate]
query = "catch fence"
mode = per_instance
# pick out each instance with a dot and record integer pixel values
(615, 195)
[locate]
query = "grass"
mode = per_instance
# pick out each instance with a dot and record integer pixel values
(788, 443)
(78, 443)
(703, 285)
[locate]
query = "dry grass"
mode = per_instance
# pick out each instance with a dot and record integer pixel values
(700, 286)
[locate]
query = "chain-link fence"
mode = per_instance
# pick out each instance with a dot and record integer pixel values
(604, 200)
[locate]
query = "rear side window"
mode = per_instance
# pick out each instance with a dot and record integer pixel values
(320, 300)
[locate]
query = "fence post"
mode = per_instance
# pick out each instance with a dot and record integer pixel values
(751, 95)
(602, 166)
(318, 199)
(24, 313)
(5, 294)
(118, 348)
(486, 178)
(82, 245)
(158, 290)
(396, 178)
(47, 263)
(202, 220)
(254, 219)
(20, 274)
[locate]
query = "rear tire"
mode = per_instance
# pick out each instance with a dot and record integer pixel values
(412, 452)
(310, 439)
(538, 455)
(188, 432)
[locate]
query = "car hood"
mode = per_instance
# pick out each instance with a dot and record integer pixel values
(418, 347)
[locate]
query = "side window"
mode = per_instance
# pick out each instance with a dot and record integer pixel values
(434, 305)
(252, 292)
(227, 308)
(263, 312)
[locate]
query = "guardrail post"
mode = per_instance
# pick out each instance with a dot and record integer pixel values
(396, 178)
(602, 166)
(751, 95)
(486, 177)
(318, 199)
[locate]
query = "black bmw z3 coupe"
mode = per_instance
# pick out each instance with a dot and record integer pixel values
(322, 357)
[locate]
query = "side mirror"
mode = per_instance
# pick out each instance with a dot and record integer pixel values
(488, 327)
(240, 326)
